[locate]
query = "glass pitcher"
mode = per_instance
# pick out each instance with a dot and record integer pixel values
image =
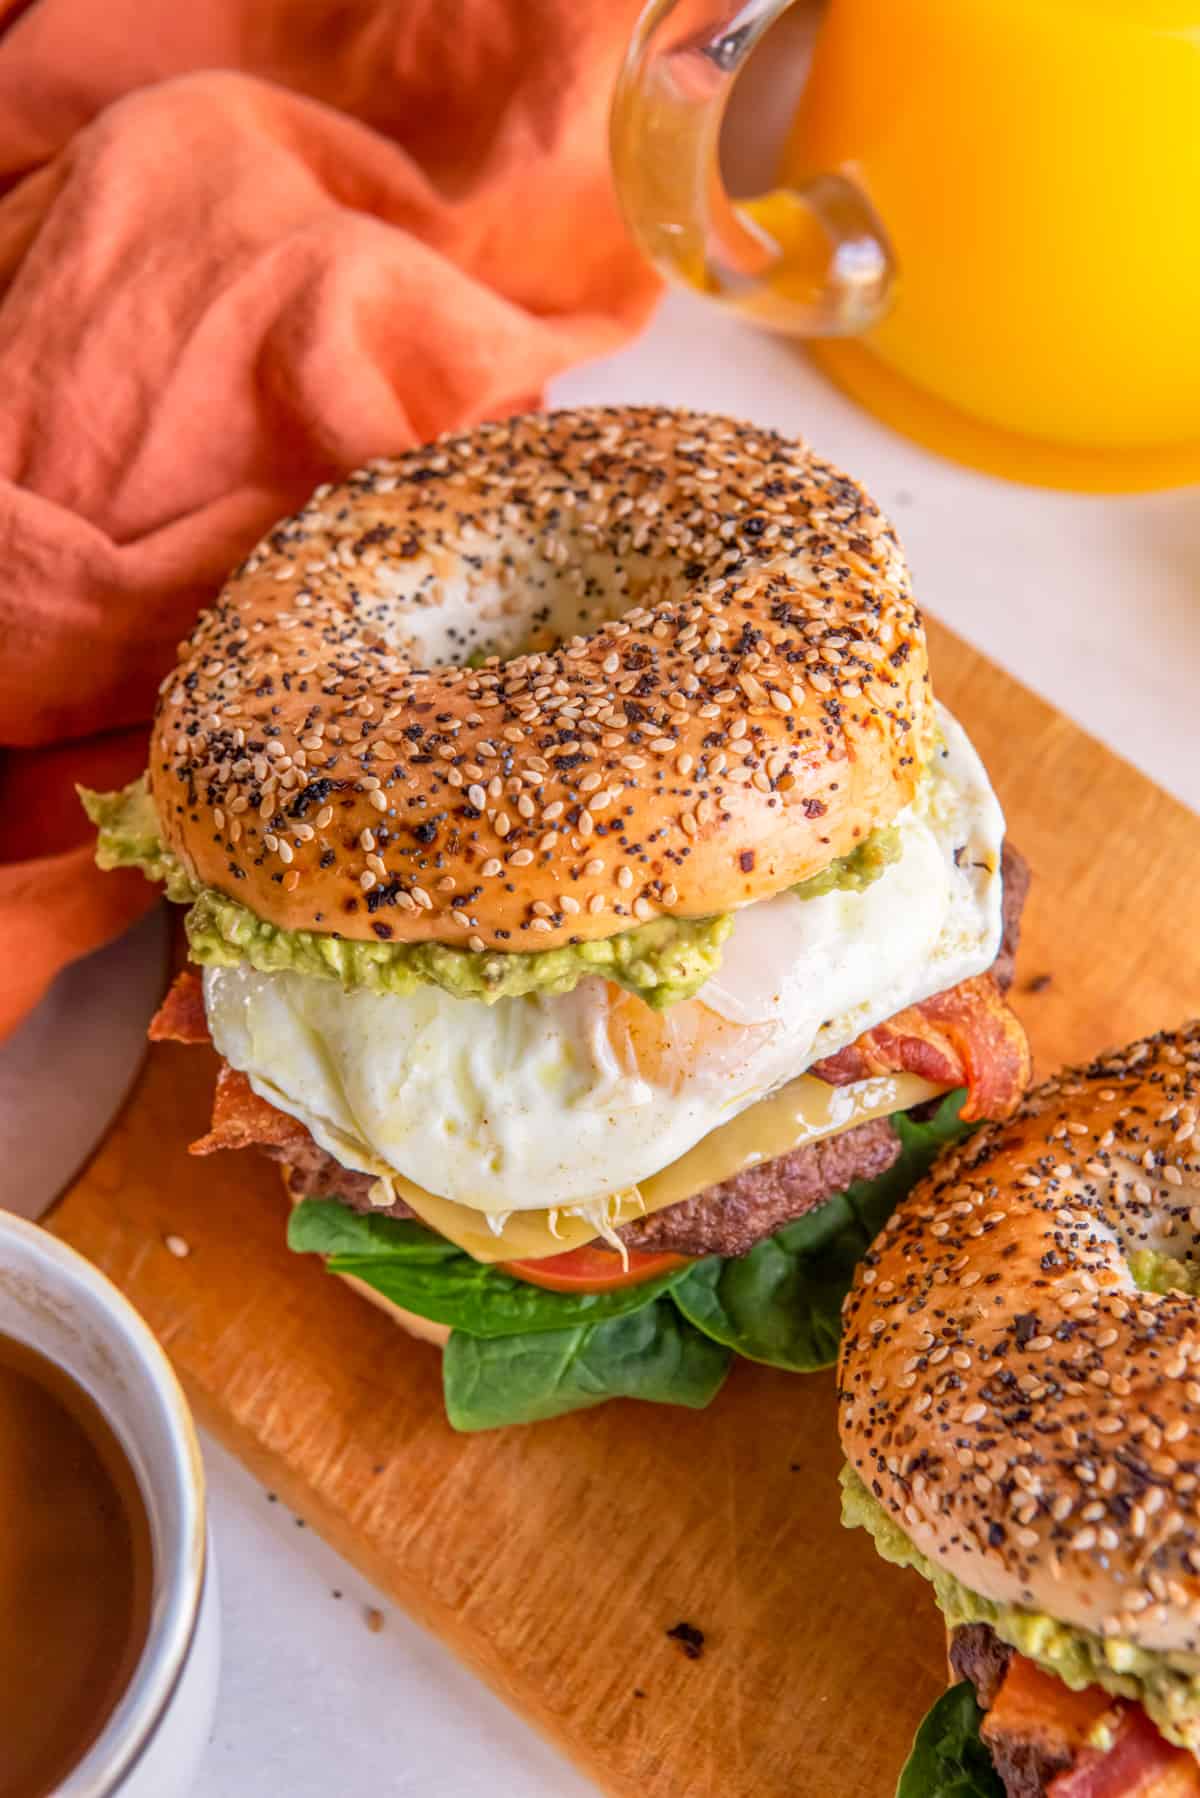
(984, 222)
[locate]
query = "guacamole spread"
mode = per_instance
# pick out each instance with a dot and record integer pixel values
(1155, 1272)
(1166, 1685)
(861, 868)
(663, 961)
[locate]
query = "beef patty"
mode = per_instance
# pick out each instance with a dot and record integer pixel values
(726, 1219)
(730, 1217)
(1015, 873)
(978, 1654)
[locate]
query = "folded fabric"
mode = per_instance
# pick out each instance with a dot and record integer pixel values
(243, 247)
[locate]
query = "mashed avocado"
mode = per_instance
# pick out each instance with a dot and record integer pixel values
(663, 961)
(1166, 1685)
(1156, 1272)
(861, 868)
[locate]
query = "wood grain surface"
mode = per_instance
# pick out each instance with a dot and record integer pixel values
(554, 1559)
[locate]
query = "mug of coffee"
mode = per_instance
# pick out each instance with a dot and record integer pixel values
(983, 217)
(108, 1602)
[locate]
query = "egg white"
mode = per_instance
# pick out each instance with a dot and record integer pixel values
(533, 1104)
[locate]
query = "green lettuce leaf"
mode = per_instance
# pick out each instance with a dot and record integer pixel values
(949, 1759)
(782, 1303)
(422, 1272)
(650, 1354)
(127, 836)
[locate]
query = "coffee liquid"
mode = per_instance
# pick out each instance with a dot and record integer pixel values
(75, 1573)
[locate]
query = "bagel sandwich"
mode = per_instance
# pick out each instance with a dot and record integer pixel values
(591, 907)
(1019, 1393)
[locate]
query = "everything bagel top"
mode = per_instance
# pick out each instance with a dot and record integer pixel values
(546, 682)
(1020, 1370)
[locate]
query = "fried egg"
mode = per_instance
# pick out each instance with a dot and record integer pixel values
(557, 1101)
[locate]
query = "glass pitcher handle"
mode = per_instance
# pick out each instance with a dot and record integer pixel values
(813, 260)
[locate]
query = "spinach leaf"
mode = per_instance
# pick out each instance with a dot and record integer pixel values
(782, 1303)
(650, 1354)
(328, 1227)
(420, 1271)
(949, 1759)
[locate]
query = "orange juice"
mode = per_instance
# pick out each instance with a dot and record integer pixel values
(1036, 165)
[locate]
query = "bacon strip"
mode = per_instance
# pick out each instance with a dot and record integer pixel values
(241, 1120)
(1038, 1722)
(181, 1017)
(966, 1036)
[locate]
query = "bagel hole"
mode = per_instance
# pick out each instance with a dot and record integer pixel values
(486, 602)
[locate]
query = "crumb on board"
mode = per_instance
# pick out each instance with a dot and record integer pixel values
(374, 1620)
(638, 1692)
(1038, 983)
(177, 1246)
(690, 1639)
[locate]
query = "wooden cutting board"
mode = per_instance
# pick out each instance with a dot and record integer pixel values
(555, 1559)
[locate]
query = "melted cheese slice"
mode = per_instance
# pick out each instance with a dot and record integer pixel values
(803, 1111)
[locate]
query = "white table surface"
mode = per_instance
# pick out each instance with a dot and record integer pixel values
(1095, 603)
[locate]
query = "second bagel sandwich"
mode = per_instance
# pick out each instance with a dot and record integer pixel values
(1020, 1397)
(593, 910)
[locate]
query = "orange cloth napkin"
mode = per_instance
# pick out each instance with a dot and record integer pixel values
(244, 245)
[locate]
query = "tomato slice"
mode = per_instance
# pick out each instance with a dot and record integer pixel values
(593, 1270)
